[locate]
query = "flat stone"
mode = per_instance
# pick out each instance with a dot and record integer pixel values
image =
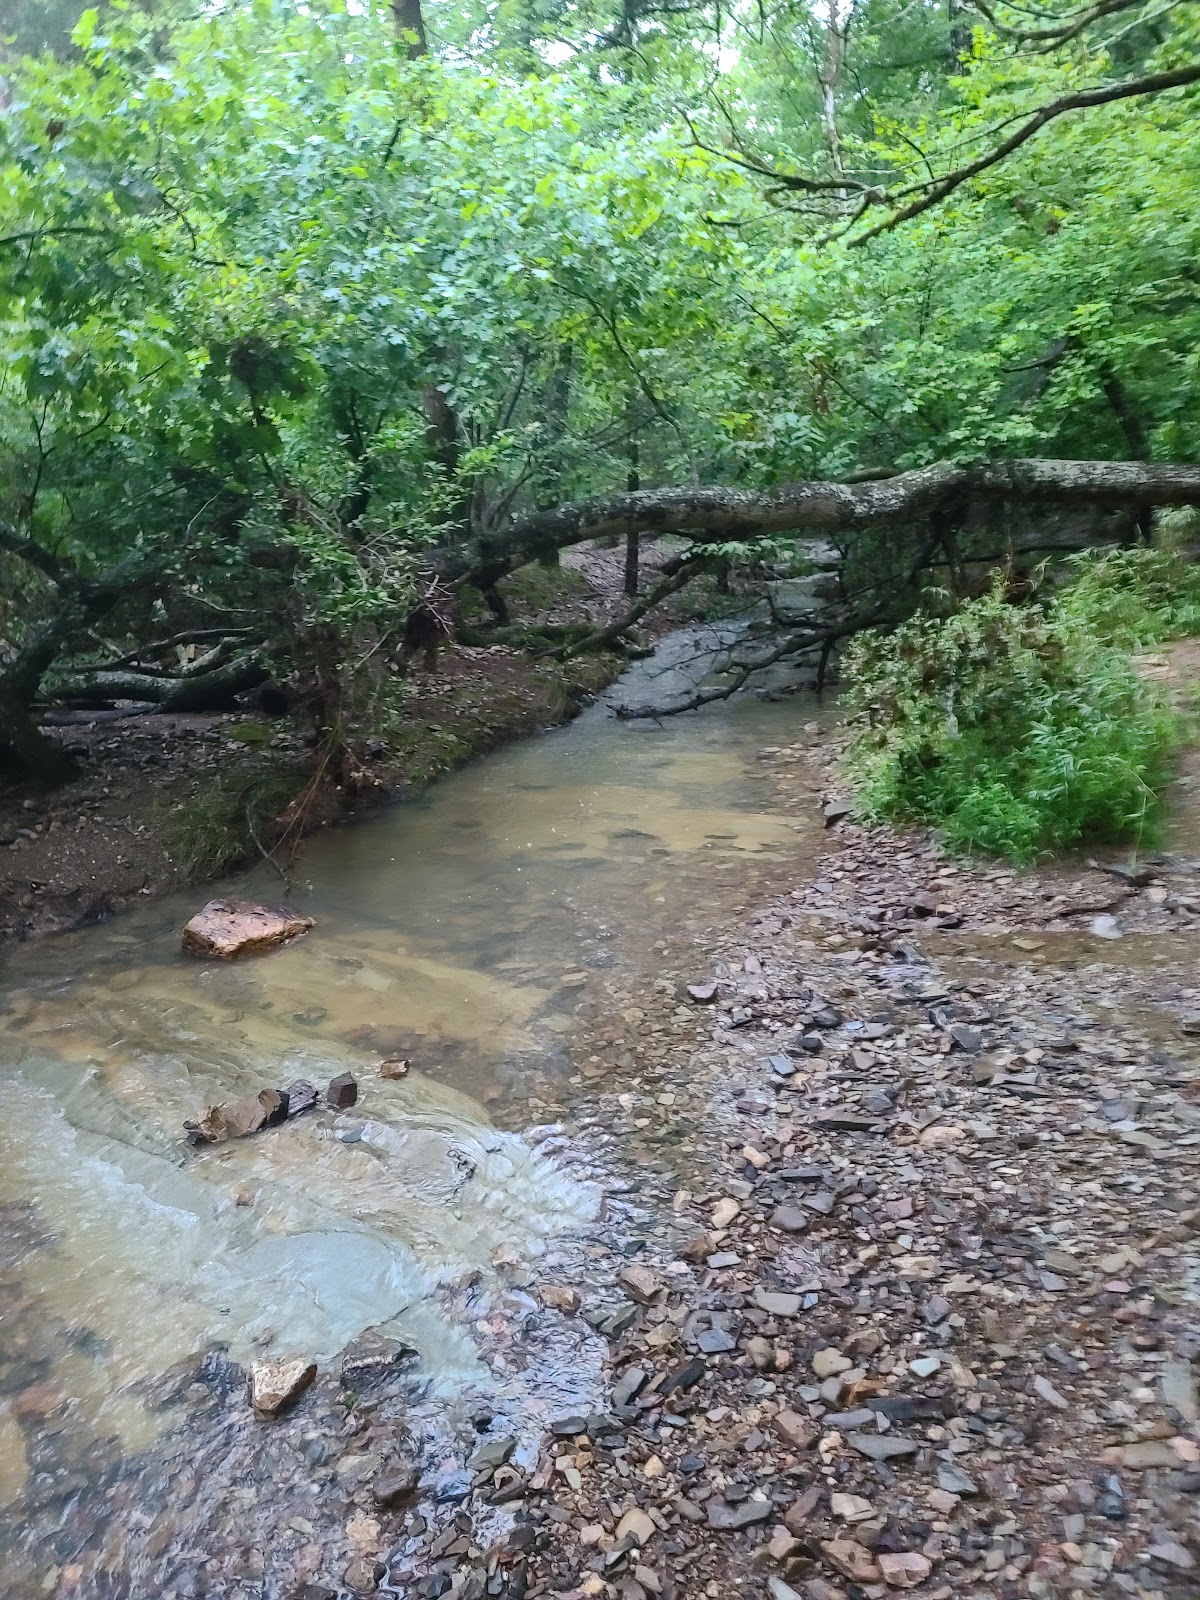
(1046, 1390)
(1167, 1553)
(727, 1519)
(925, 1366)
(714, 1342)
(1148, 1453)
(967, 1038)
(822, 1202)
(226, 928)
(850, 1507)
(846, 1122)
(788, 1219)
(628, 1385)
(560, 1297)
(301, 1096)
(703, 994)
(795, 1430)
(904, 1569)
(492, 1453)
(955, 1482)
(827, 1363)
(721, 1259)
(777, 1303)
(851, 1559)
(882, 1446)
(395, 1484)
(276, 1385)
(635, 1524)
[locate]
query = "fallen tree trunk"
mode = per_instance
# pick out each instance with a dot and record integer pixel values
(733, 515)
(200, 691)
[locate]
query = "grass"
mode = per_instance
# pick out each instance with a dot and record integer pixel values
(1022, 731)
(228, 824)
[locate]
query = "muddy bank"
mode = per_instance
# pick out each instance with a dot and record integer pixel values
(160, 797)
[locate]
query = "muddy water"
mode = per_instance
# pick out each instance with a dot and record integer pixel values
(475, 931)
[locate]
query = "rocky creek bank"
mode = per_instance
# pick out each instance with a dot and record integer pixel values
(908, 1295)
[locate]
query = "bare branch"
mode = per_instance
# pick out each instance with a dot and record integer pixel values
(934, 194)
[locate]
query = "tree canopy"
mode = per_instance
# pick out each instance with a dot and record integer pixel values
(302, 302)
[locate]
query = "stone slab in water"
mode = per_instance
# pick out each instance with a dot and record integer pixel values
(226, 928)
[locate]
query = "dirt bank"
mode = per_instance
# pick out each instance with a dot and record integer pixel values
(159, 797)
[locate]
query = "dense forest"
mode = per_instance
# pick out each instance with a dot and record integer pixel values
(319, 317)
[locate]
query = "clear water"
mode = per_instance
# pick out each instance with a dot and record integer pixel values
(475, 931)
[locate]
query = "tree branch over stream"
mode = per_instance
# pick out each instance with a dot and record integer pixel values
(741, 515)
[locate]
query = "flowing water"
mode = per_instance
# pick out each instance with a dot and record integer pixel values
(475, 931)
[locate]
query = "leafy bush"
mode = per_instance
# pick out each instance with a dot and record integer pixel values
(1017, 730)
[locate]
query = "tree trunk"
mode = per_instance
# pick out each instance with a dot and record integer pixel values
(745, 514)
(410, 25)
(633, 538)
(26, 752)
(201, 691)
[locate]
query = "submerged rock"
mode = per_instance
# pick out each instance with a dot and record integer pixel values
(226, 928)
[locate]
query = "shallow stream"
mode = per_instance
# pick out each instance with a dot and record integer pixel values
(474, 931)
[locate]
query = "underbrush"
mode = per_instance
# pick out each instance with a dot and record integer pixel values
(1024, 730)
(233, 822)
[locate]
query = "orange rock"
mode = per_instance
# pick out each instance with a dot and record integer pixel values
(226, 928)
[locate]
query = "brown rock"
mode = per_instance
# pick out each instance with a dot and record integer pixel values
(394, 1067)
(342, 1092)
(795, 1430)
(395, 1484)
(363, 1574)
(852, 1560)
(640, 1283)
(226, 928)
(905, 1569)
(801, 1512)
(276, 1385)
(560, 1297)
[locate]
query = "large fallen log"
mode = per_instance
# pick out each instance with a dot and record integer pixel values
(201, 691)
(738, 515)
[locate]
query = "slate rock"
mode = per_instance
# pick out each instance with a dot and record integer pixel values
(788, 1219)
(777, 1303)
(342, 1092)
(882, 1446)
(727, 1519)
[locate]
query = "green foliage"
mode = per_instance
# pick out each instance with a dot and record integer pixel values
(1133, 597)
(1015, 730)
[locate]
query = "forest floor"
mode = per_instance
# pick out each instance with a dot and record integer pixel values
(155, 791)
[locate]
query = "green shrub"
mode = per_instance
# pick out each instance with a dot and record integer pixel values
(1016, 730)
(1133, 597)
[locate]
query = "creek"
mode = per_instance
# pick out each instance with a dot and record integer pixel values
(476, 931)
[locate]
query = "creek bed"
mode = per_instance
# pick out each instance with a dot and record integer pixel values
(478, 931)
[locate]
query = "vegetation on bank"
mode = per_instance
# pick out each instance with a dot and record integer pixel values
(1023, 729)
